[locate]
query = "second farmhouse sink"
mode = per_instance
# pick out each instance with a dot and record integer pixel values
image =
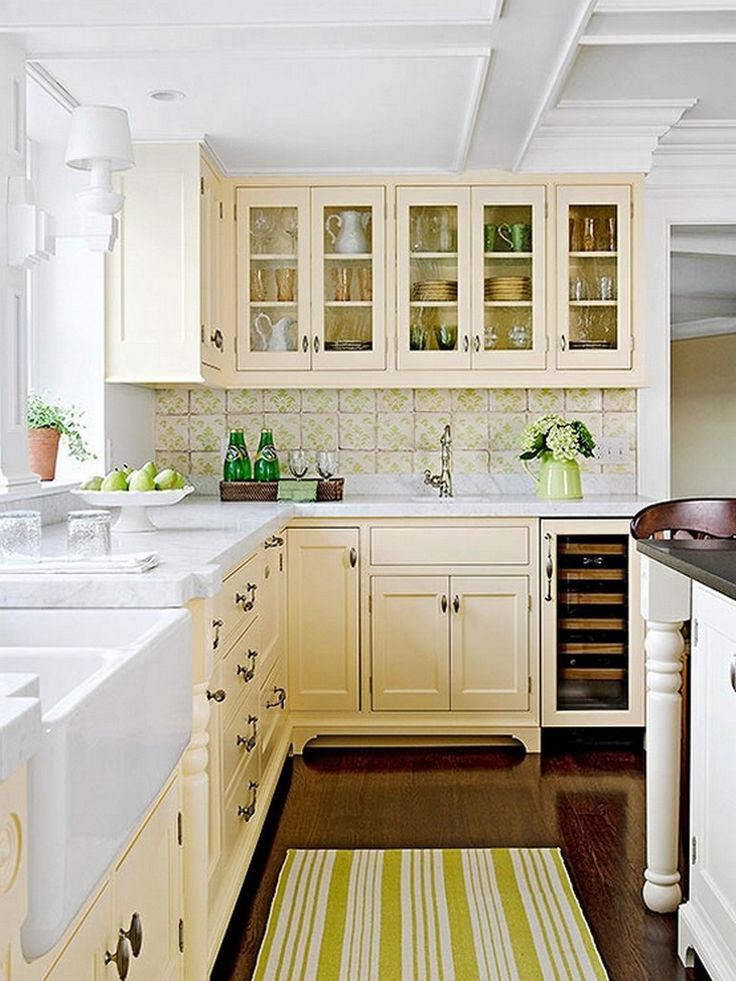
(116, 704)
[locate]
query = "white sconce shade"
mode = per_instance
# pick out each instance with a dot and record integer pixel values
(100, 142)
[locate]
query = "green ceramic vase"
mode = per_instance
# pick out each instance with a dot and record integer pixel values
(557, 480)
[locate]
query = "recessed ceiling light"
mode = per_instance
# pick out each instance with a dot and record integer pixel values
(167, 95)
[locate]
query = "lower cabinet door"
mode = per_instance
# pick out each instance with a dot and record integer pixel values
(410, 641)
(147, 882)
(273, 714)
(489, 640)
(83, 959)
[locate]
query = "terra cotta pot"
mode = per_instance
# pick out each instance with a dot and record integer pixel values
(43, 447)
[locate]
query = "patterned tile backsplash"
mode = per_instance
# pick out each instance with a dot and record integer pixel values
(392, 431)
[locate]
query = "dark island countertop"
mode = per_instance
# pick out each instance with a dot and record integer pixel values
(710, 561)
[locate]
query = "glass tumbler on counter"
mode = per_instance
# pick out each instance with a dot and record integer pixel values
(20, 535)
(87, 534)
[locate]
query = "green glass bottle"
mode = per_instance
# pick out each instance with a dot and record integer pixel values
(237, 461)
(266, 465)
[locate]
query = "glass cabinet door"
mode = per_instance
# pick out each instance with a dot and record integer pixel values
(593, 287)
(273, 282)
(348, 265)
(433, 263)
(508, 277)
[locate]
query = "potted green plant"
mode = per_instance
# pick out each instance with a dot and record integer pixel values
(557, 443)
(47, 422)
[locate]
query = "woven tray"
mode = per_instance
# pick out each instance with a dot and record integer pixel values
(253, 490)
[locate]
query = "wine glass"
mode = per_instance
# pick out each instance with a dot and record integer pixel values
(326, 464)
(290, 224)
(298, 463)
(261, 227)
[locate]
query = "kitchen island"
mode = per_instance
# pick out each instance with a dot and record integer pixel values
(692, 580)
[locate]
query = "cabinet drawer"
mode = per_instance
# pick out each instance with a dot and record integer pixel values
(240, 668)
(237, 601)
(430, 545)
(241, 737)
(272, 712)
(237, 823)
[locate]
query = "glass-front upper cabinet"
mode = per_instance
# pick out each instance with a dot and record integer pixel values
(594, 270)
(273, 278)
(508, 277)
(348, 269)
(433, 277)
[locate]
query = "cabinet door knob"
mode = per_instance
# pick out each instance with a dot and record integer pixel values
(456, 604)
(216, 696)
(353, 557)
(476, 343)
(134, 933)
(121, 956)
(273, 542)
(305, 343)
(218, 339)
(563, 342)
(732, 672)
(466, 343)
(316, 344)
(443, 603)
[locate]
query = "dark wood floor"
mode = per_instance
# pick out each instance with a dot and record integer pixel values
(589, 803)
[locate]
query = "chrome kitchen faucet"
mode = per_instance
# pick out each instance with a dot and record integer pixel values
(443, 480)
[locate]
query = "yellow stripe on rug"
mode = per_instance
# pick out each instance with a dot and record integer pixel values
(427, 914)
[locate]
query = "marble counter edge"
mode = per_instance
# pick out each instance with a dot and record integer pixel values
(20, 731)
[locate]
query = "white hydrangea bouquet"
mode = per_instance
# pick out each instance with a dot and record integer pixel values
(557, 443)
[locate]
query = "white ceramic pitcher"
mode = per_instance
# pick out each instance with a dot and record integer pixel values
(351, 235)
(273, 336)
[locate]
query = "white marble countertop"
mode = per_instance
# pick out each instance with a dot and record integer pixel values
(201, 538)
(20, 721)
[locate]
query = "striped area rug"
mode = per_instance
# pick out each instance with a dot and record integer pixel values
(492, 914)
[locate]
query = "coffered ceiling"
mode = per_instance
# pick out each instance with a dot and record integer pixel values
(427, 86)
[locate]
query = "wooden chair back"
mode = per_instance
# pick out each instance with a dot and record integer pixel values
(707, 517)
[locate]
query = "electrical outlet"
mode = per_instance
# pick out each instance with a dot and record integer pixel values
(612, 450)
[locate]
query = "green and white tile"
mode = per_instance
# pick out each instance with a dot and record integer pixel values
(206, 401)
(172, 401)
(319, 400)
(395, 400)
(619, 399)
(428, 428)
(286, 428)
(356, 463)
(427, 460)
(506, 462)
(470, 430)
(583, 400)
(395, 431)
(357, 400)
(245, 401)
(172, 432)
(357, 430)
(470, 461)
(594, 422)
(393, 462)
(175, 459)
(251, 424)
(470, 400)
(504, 430)
(282, 400)
(621, 424)
(206, 433)
(544, 400)
(206, 465)
(319, 431)
(432, 400)
(507, 399)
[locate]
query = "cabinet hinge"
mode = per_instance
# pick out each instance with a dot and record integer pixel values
(201, 333)
(693, 850)
(201, 185)
(220, 210)
(695, 634)
(179, 828)
(181, 936)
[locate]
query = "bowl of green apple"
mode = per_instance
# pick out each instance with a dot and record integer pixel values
(134, 491)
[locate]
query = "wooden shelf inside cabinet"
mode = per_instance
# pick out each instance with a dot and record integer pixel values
(575, 598)
(273, 257)
(351, 257)
(273, 303)
(509, 255)
(348, 303)
(592, 623)
(593, 255)
(593, 674)
(433, 255)
(593, 303)
(593, 649)
(431, 303)
(591, 574)
(508, 303)
(592, 548)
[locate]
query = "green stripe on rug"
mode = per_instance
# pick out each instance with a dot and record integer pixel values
(470, 914)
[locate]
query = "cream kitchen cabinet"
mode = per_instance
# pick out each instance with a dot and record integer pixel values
(451, 643)
(323, 588)
(166, 311)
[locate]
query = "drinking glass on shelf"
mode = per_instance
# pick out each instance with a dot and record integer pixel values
(605, 287)
(365, 283)
(610, 243)
(258, 284)
(417, 233)
(341, 279)
(261, 228)
(326, 463)
(87, 534)
(298, 463)
(578, 289)
(519, 336)
(285, 284)
(290, 224)
(20, 535)
(589, 234)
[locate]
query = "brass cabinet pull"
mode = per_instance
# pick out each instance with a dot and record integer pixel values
(305, 343)
(456, 604)
(134, 933)
(443, 603)
(121, 956)
(280, 694)
(275, 541)
(353, 558)
(216, 696)
(476, 343)
(247, 600)
(216, 624)
(247, 672)
(249, 810)
(549, 568)
(563, 342)
(248, 742)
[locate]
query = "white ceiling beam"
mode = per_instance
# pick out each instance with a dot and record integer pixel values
(663, 6)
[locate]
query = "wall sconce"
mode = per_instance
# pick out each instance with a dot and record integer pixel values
(99, 142)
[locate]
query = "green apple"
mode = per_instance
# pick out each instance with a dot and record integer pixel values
(150, 468)
(114, 481)
(93, 484)
(166, 479)
(141, 480)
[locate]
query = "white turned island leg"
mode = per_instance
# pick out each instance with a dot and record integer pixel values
(665, 605)
(195, 805)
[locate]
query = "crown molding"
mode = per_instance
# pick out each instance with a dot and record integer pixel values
(53, 88)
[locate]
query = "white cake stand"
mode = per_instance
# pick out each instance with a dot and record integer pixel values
(133, 505)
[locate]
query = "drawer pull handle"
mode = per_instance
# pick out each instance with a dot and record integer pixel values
(249, 742)
(443, 603)
(247, 671)
(316, 344)
(249, 810)
(456, 604)
(476, 343)
(247, 600)
(217, 338)
(280, 694)
(275, 541)
(216, 696)
(216, 624)
(134, 933)
(563, 342)
(732, 672)
(305, 343)
(353, 558)
(121, 957)
(549, 568)
(466, 343)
